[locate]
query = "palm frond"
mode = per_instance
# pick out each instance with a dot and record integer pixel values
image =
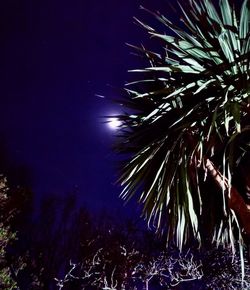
(192, 102)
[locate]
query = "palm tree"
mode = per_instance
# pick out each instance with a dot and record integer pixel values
(186, 128)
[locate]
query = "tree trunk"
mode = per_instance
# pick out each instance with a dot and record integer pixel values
(235, 200)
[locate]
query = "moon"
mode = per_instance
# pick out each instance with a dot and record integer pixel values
(114, 123)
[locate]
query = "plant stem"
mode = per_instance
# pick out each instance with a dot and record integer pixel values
(235, 200)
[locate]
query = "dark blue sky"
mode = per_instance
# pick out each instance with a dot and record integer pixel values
(55, 56)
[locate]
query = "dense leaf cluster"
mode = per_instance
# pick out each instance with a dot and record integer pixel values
(190, 105)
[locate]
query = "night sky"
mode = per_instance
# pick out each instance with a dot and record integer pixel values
(56, 56)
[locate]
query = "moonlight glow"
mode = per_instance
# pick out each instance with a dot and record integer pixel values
(114, 123)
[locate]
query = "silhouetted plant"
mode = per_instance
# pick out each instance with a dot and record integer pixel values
(6, 237)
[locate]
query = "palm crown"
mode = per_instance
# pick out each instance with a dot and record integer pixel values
(189, 106)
